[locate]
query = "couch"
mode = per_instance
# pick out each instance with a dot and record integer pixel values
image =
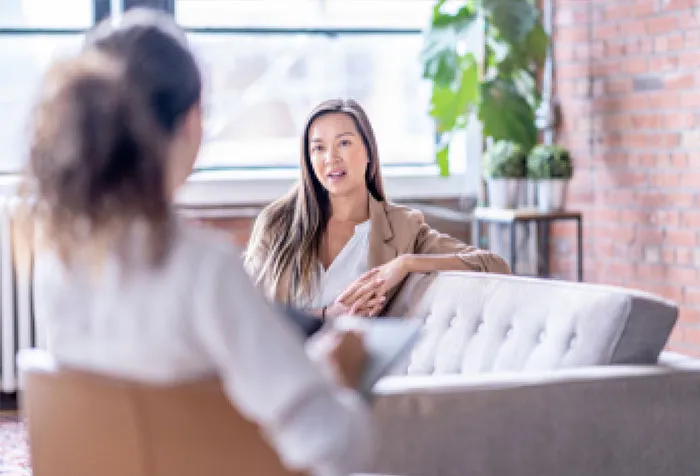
(512, 376)
(529, 377)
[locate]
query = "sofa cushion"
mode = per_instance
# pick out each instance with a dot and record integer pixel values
(477, 322)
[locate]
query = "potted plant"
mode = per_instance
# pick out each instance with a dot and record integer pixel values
(496, 82)
(505, 167)
(551, 168)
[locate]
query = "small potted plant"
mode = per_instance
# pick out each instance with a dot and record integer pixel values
(505, 167)
(550, 167)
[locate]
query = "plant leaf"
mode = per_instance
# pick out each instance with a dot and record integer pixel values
(450, 104)
(441, 158)
(468, 92)
(513, 19)
(506, 115)
(439, 57)
(526, 85)
(439, 54)
(536, 44)
(459, 21)
(444, 107)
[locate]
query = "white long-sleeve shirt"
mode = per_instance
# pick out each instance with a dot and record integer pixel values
(198, 314)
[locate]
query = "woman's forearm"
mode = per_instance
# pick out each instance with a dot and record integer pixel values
(429, 263)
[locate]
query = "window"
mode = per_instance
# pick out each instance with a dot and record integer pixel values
(390, 14)
(266, 64)
(23, 61)
(46, 14)
(33, 33)
(269, 62)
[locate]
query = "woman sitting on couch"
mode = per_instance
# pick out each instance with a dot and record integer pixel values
(334, 245)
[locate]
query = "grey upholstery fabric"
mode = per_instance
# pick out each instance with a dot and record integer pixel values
(476, 323)
(601, 421)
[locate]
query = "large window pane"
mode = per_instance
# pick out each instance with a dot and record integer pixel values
(262, 87)
(304, 13)
(46, 13)
(23, 60)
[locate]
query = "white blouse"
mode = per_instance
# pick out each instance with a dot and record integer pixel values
(196, 315)
(350, 264)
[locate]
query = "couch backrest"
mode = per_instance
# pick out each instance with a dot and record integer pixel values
(82, 424)
(477, 322)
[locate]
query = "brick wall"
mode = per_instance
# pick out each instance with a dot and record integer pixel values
(628, 78)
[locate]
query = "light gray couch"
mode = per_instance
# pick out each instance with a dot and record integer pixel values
(527, 377)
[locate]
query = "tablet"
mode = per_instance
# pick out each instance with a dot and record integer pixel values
(387, 339)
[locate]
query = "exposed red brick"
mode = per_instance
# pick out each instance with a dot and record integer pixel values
(690, 219)
(688, 315)
(688, 60)
(690, 333)
(679, 81)
(691, 295)
(575, 34)
(665, 63)
(691, 180)
(678, 274)
(631, 112)
(634, 28)
(605, 31)
(692, 39)
(665, 179)
(662, 24)
(643, 8)
(681, 237)
(634, 65)
(679, 4)
(684, 256)
(669, 292)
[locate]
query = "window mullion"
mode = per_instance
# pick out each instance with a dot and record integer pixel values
(167, 5)
(101, 10)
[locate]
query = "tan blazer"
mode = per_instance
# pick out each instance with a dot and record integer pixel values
(397, 230)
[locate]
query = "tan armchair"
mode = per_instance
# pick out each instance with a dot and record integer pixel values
(86, 425)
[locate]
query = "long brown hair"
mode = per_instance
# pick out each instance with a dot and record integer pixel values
(101, 135)
(286, 238)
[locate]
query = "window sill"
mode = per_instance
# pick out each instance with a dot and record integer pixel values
(260, 187)
(221, 188)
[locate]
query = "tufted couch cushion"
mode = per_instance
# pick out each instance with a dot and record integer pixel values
(477, 323)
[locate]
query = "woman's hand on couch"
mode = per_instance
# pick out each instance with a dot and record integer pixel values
(367, 295)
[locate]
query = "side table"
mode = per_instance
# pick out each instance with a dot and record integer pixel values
(543, 219)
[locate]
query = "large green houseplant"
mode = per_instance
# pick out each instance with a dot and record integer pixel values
(501, 89)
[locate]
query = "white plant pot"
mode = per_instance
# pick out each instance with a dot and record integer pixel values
(504, 193)
(529, 199)
(551, 194)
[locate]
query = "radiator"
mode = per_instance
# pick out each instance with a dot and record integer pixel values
(18, 326)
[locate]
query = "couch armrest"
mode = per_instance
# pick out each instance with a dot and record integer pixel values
(674, 360)
(603, 421)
